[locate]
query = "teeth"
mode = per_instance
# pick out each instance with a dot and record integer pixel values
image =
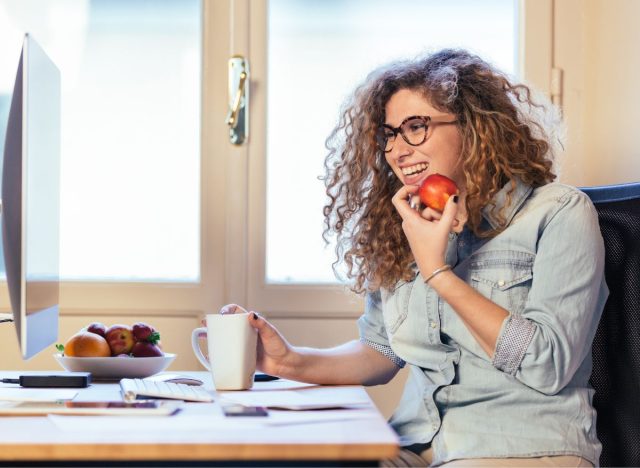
(413, 169)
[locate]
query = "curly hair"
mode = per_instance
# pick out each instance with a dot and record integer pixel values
(501, 142)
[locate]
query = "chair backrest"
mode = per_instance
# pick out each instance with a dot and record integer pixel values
(616, 348)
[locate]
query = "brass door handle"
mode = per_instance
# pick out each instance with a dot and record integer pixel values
(232, 116)
(238, 115)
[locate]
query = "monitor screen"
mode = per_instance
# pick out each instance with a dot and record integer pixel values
(30, 199)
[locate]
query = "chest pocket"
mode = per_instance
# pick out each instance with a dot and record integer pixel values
(505, 277)
(396, 306)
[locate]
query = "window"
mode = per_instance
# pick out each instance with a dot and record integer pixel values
(131, 80)
(317, 53)
(136, 167)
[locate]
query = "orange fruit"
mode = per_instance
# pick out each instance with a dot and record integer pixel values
(87, 344)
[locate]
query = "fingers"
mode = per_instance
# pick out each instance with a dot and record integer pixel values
(434, 215)
(405, 191)
(233, 309)
(264, 328)
(401, 200)
(450, 211)
(430, 214)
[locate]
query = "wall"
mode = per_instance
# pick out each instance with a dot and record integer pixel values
(595, 44)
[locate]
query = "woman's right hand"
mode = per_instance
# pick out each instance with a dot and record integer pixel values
(427, 231)
(275, 355)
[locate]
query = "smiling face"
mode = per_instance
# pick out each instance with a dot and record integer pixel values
(440, 152)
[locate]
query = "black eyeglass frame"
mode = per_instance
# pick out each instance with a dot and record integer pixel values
(382, 139)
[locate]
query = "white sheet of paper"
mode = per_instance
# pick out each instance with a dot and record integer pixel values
(286, 418)
(198, 424)
(36, 394)
(298, 399)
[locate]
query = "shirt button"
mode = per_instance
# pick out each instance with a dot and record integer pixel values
(501, 283)
(434, 427)
(433, 324)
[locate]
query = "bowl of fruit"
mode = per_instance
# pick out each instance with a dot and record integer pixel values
(115, 352)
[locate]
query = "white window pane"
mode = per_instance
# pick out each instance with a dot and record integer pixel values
(130, 197)
(318, 52)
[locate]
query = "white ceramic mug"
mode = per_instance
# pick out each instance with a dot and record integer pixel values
(232, 346)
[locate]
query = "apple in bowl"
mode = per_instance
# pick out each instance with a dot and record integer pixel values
(120, 339)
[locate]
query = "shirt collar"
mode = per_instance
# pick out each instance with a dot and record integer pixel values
(518, 197)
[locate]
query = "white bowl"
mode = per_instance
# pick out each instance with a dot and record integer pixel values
(116, 367)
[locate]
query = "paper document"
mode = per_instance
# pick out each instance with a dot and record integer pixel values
(299, 400)
(36, 394)
(203, 425)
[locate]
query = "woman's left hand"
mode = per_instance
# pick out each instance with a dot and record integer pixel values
(427, 231)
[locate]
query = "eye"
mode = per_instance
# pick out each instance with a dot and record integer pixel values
(386, 132)
(415, 126)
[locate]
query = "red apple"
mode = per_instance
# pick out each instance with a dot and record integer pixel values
(146, 349)
(120, 339)
(435, 190)
(142, 331)
(98, 328)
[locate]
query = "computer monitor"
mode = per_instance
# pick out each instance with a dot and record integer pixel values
(30, 210)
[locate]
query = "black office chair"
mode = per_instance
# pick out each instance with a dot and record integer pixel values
(616, 348)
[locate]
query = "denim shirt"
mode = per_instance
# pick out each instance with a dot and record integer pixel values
(533, 398)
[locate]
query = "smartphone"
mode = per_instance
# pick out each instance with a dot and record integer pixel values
(242, 410)
(112, 408)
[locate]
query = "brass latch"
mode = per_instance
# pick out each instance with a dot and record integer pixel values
(238, 116)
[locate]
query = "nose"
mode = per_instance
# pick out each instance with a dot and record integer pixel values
(401, 149)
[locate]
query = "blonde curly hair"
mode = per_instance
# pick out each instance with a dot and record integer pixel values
(501, 142)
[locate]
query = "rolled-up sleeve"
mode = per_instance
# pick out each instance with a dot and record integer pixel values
(372, 329)
(514, 339)
(545, 345)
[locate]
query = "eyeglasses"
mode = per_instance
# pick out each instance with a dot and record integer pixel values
(413, 130)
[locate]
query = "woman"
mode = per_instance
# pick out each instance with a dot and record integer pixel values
(492, 303)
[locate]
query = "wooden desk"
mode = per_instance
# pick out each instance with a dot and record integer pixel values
(361, 440)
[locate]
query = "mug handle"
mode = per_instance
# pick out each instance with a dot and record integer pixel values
(195, 344)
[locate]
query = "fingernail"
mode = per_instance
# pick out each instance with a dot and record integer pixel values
(255, 316)
(455, 199)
